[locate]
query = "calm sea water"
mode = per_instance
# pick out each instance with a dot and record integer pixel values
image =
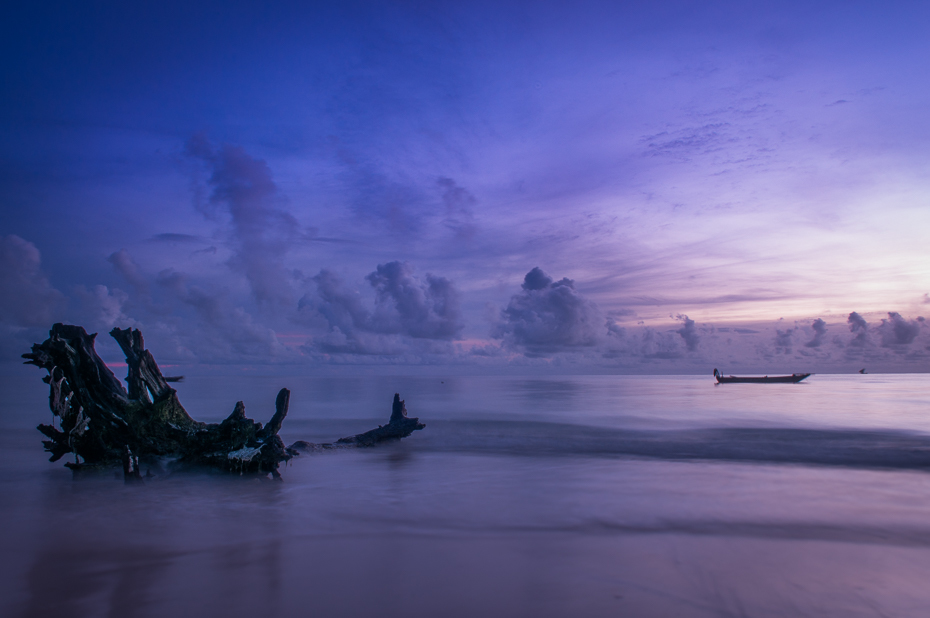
(561, 496)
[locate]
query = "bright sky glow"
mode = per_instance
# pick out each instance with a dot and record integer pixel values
(237, 180)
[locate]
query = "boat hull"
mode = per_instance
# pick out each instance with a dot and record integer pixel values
(792, 379)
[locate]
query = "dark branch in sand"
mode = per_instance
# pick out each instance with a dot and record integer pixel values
(103, 424)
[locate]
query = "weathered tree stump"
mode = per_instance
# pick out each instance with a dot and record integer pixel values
(104, 424)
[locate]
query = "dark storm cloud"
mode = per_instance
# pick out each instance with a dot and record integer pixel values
(263, 233)
(820, 331)
(406, 306)
(860, 328)
(688, 332)
(548, 316)
(898, 331)
(26, 296)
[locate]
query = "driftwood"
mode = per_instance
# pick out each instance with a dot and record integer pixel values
(103, 424)
(398, 427)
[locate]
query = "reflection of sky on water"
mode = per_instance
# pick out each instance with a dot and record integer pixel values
(415, 534)
(529, 513)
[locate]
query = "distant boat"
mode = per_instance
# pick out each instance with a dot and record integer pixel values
(862, 371)
(792, 379)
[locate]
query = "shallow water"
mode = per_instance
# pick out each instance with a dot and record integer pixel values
(593, 496)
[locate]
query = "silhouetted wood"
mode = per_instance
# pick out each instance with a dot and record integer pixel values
(102, 423)
(131, 472)
(398, 427)
(794, 378)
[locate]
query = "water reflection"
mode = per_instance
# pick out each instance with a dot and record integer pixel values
(521, 497)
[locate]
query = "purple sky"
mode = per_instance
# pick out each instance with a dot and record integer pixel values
(630, 187)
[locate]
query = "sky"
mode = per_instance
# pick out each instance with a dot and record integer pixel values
(593, 187)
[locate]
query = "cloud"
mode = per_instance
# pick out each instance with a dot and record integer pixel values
(406, 305)
(859, 327)
(243, 187)
(341, 307)
(642, 343)
(126, 266)
(820, 331)
(784, 340)
(898, 331)
(548, 316)
(392, 202)
(175, 238)
(406, 308)
(102, 308)
(224, 331)
(689, 142)
(689, 333)
(459, 204)
(613, 328)
(26, 296)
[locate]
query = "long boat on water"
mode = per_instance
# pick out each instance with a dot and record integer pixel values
(794, 378)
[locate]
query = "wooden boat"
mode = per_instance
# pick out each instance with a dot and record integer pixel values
(794, 378)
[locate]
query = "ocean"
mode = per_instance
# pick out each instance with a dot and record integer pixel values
(549, 496)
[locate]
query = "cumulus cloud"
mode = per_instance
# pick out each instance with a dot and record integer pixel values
(26, 296)
(784, 340)
(642, 343)
(613, 328)
(405, 304)
(224, 330)
(860, 328)
(101, 308)
(126, 266)
(688, 332)
(820, 332)
(242, 186)
(548, 316)
(406, 307)
(898, 331)
(342, 307)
